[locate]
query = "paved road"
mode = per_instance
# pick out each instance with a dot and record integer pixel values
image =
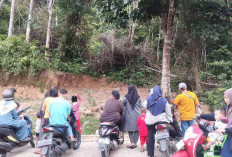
(87, 149)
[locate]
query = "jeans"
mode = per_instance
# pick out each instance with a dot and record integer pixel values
(226, 152)
(68, 129)
(185, 125)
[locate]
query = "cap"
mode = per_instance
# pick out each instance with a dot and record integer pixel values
(182, 86)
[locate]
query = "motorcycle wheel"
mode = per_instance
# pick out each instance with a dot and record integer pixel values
(78, 136)
(106, 152)
(32, 141)
(167, 152)
(51, 152)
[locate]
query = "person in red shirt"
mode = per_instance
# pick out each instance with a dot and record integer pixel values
(142, 129)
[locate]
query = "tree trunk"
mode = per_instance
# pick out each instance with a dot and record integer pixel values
(11, 24)
(50, 10)
(28, 32)
(112, 36)
(158, 45)
(196, 46)
(167, 29)
(1, 3)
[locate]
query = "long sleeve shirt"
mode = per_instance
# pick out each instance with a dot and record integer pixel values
(75, 107)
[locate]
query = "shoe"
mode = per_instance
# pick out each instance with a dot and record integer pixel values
(133, 146)
(26, 139)
(141, 150)
(130, 146)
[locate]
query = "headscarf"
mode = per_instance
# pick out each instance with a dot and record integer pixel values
(132, 95)
(228, 93)
(160, 105)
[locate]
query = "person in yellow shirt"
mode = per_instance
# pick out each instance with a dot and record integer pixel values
(45, 108)
(187, 103)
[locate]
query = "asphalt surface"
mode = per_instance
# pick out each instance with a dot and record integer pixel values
(87, 149)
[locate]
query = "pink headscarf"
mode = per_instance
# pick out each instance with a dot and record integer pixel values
(228, 93)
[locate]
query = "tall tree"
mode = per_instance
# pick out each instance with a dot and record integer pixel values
(1, 3)
(166, 26)
(29, 21)
(11, 24)
(50, 10)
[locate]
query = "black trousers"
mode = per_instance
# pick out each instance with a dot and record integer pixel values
(151, 140)
(177, 128)
(120, 123)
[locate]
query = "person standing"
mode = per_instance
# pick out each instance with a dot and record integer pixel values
(187, 103)
(227, 147)
(76, 102)
(142, 129)
(132, 103)
(45, 107)
(158, 110)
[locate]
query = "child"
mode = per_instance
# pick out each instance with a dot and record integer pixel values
(221, 122)
(38, 126)
(75, 107)
(142, 129)
(174, 123)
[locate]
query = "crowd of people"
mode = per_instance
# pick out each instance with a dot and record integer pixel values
(130, 114)
(139, 119)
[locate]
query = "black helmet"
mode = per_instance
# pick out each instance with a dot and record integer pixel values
(8, 94)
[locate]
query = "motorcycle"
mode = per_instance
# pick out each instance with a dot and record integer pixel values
(166, 138)
(55, 141)
(8, 139)
(109, 138)
(195, 136)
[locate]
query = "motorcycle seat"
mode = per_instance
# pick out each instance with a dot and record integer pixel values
(6, 131)
(108, 124)
(5, 126)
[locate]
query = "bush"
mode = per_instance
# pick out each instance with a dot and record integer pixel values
(214, 98)
(139, 77)
(17, 56)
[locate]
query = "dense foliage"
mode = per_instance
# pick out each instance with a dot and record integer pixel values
(123, 40)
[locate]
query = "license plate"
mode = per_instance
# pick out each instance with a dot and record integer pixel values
(163, 135)
(180, 145)
(44, 142)
(104, 140)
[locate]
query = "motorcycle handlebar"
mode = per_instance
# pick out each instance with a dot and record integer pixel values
(205, 125)
(23, 110)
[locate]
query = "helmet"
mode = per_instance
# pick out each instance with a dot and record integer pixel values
(8, 94)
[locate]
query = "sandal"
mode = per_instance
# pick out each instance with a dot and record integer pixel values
(141, 150)
(133, 146)
(130, 146)
(37, 152)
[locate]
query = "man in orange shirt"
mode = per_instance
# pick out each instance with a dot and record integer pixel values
(187, 103)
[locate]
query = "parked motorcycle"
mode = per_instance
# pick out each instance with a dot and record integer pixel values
(8, 139)
(55, 140)
(109, 138)
(166, 138)
(194, 137)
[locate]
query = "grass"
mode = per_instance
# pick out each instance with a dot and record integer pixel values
(89, 125)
